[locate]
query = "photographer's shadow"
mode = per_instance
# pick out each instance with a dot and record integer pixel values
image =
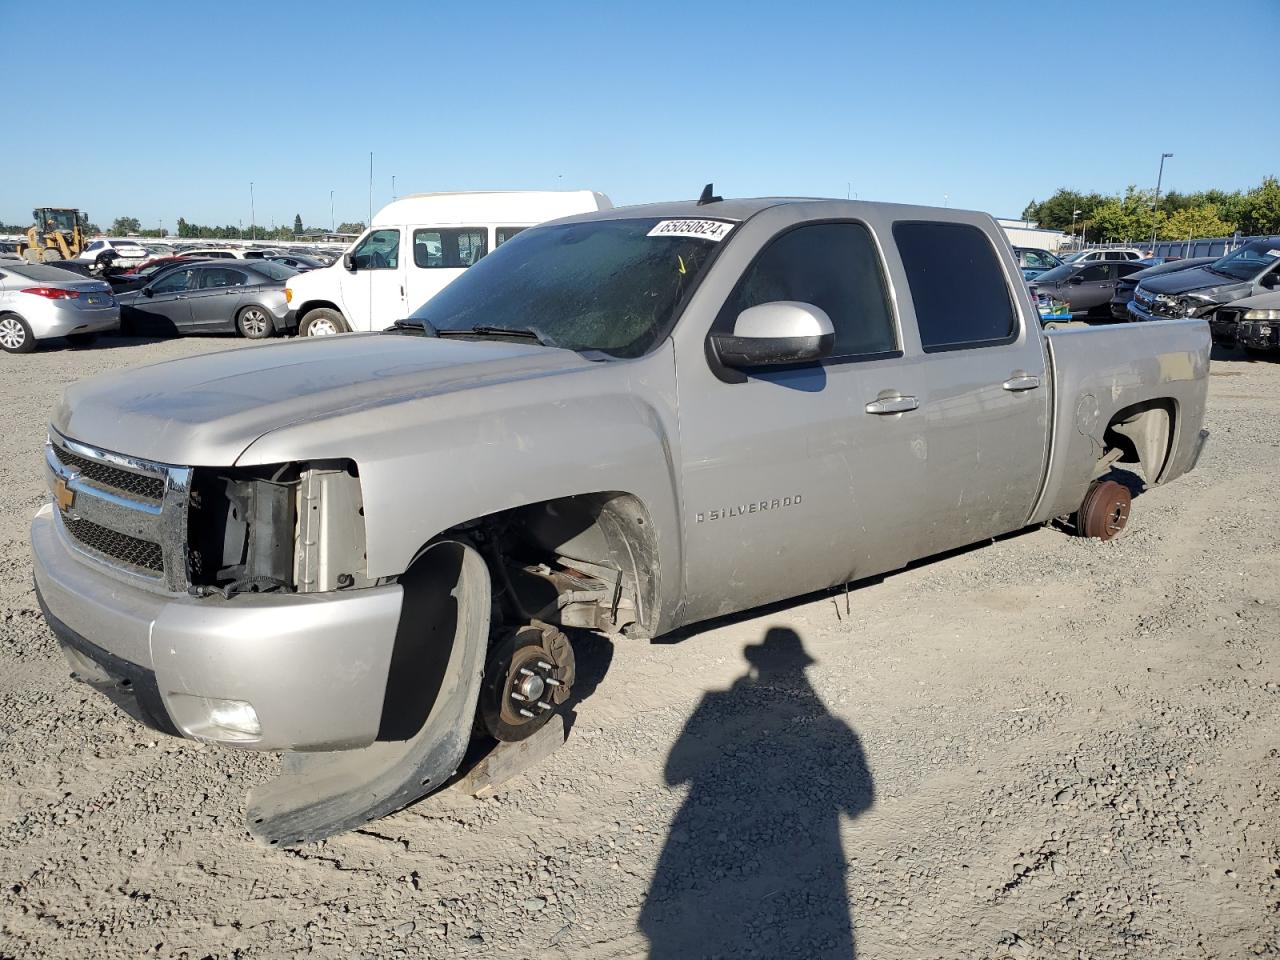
(753, 864)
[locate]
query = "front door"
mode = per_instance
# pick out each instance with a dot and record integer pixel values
(800, 478)
(373, 292)
(986, 407)
(1093, 286)
(215, 296)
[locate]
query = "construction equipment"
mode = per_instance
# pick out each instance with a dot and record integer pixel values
(58, 234)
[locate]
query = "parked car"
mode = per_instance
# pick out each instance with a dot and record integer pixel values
(1252, 323)
(1034, 261)
(627, 421)
(212, 253)
(205, 297)
(9, 250)
(39, 302)
(299, 261)
(140, 276)
(128, 252)
(1089, 256)
(1252, 269)
(414, 248)
(1086, 287)
(260, 253)
(1125, 286)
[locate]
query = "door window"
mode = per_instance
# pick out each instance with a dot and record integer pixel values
(1095, 272)
(380, 250)
(959, 291)
(213, 277)
(452, 248)
(173, 282)
(1124, 269)
(833, 266)
(502, 234)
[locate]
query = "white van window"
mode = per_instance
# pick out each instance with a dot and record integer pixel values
(449, 247)
(380, 250)
(503, 234)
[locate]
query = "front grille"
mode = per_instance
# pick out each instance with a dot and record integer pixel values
(110, 477)
(142, 554)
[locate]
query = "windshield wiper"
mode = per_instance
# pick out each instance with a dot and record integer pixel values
(412, 323)
(523, 333)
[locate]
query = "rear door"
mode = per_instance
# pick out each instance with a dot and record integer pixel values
(168, 307)
(983, 413)
(440, 255)
(215, 295)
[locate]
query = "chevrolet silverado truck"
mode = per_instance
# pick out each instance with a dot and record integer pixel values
(365, 551)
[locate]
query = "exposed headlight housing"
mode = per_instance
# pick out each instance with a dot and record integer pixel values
(1258, 314)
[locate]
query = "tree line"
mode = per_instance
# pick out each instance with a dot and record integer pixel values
(284, 232)
(1131, 216)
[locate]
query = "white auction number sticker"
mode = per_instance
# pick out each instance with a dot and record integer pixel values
(715, 230)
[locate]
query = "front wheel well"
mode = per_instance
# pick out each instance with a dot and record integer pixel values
(586, 560)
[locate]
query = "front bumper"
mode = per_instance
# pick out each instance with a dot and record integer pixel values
(1258, 334)
(314, 667)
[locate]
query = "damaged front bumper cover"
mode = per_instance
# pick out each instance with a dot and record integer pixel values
(312, 668)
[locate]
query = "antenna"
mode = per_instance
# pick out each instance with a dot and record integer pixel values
(708, 196)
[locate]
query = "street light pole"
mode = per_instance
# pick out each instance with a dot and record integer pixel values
(332, 222)
(1155, 208)
(253, 217)
(1074, 214)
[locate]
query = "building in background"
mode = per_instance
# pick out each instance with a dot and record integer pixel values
(1027, 233)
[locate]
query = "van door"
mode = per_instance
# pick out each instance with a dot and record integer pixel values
(440, 255)
(987, 403)
(373, 291)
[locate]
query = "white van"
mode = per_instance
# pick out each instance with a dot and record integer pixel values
(415, 246)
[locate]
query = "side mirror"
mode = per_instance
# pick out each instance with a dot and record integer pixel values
(148, 292)
(348, 263)
(1271, 280)
(771, 334)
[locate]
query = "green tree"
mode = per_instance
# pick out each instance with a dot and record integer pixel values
(1125, 218)
(123, 226)
(1189, 222)
(350, 228)
(297, 224)
(1056, 212)
(1258, 211)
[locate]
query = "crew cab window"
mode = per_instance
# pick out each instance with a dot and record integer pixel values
(452, 248)
(380, 250)
(959, 291)
(502, 234)
(173, 282)
(1098, 271)
(830, 265)
(221, 277)
(1124, 269)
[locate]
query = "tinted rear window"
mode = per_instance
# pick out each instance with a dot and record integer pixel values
(957, 286)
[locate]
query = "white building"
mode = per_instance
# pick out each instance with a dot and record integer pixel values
(1027, 233)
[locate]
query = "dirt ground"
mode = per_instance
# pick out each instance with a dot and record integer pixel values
(1042, 747)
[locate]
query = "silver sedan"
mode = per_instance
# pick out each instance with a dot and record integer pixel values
(39, 302)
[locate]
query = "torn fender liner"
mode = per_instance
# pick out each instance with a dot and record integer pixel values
(318, 795)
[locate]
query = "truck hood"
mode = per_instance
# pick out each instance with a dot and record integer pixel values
(1197, 279)
(205, 411)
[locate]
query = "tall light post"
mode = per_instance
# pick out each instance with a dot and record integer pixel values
(1074, 214)
(253, 217)
(1155, 208)
(393, 186)
(333, 224)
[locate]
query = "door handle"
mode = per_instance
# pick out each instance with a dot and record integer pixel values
(892, 405)
(1021, 381)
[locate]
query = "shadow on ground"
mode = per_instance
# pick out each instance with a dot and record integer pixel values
(753, 865)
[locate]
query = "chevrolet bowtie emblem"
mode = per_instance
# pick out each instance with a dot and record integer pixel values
(64, 495)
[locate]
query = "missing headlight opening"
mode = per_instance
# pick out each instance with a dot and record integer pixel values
(279, 528)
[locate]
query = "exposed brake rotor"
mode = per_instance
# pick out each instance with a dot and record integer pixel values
(529, 674)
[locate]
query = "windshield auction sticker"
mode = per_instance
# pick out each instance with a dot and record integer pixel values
(714, 230)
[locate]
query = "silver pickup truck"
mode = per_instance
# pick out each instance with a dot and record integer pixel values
(365, 551)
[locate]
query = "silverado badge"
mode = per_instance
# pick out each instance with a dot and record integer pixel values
(64, 495)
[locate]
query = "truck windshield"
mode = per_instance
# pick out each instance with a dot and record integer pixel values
(601, 285)
(1247, 262)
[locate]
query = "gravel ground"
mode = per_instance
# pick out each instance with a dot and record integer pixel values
(1042, 747)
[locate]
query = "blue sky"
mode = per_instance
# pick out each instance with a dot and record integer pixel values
(987, 104)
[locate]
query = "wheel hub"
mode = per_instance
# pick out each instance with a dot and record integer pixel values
(528, 675)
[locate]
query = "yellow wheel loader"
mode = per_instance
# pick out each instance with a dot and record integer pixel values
(58, 234)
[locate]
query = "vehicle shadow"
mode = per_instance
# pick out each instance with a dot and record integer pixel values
(753, 863)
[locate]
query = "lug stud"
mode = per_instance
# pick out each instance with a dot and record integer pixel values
(525, 713)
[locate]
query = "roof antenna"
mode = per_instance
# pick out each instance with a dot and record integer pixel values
(708, 196)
